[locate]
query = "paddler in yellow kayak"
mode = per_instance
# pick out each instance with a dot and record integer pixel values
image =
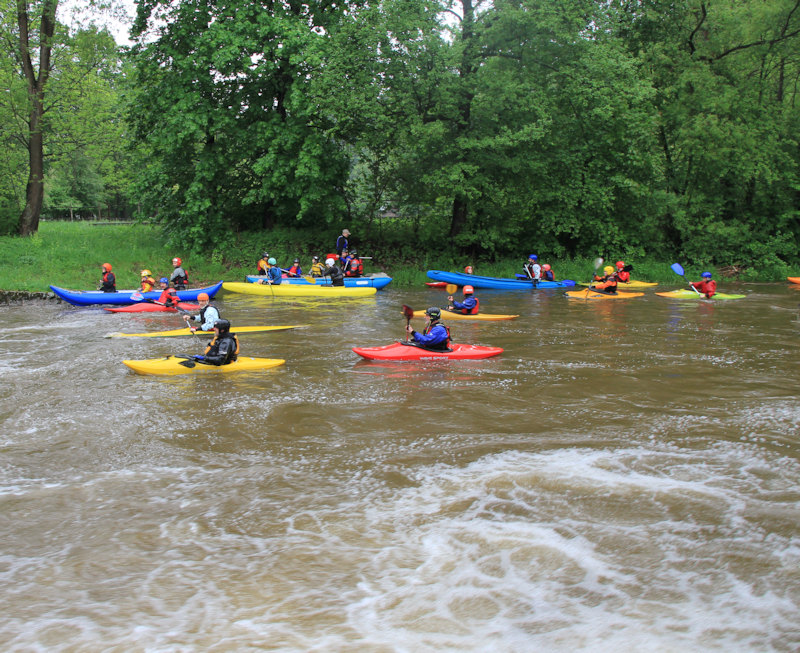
(224, 346)
(607, 283)
(469, 306)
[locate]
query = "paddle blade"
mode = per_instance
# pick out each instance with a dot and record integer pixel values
(408, 312)
(311, 280)
(451, 288)
(598, 262)
(137, 296)
(677, 269)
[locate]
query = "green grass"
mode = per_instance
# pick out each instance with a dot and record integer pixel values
(69, 254)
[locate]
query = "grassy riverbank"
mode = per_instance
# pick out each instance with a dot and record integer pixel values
(69, 254)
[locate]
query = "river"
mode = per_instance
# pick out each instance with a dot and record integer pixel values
(624, 477)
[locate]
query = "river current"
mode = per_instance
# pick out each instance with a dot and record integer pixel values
(624, 477)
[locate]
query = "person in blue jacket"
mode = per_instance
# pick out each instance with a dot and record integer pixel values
(273, 275)
(469, 306)
(436, 336)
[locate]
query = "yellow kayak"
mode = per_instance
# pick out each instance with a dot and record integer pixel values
(187, 332)
(295, 290)
(594, 294)
(630, 284)
(172, 365)
(451, 315)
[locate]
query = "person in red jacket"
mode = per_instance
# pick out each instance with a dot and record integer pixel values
(707, 286)
(109, 282)
(354, 267)
(169, 296)
(470, 305)
(623, 276)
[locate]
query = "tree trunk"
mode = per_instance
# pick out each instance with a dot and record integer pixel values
(34, 192)
(459, 218)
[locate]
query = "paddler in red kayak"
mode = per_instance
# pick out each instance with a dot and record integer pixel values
(169, 296)
(436, 336)
(469, 306)
(707, 286)
(607, 283)
(109, 282)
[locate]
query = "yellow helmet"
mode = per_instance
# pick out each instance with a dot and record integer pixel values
(146, 273)
(608, 269)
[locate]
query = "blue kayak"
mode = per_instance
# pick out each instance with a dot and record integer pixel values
(378, 281)
(462, 279)
(89, 297)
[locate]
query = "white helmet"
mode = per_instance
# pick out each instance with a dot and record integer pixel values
(329, 262)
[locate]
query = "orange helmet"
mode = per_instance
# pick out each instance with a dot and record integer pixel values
(202, 296)
(468, 290)
(468, 269)
(106, 267)
(176, 261)
(620, 264)
(546, 267)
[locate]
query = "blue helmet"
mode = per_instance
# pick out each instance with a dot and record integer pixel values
(533, 257)
(163, 280)
(706, 275)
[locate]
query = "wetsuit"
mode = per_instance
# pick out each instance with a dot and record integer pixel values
(109, 282)
(335, 274)
(222, 350)
(435, 337)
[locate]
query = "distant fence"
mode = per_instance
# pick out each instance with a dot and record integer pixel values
(78, 214)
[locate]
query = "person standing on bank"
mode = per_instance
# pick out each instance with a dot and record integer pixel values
(342, 242)
(207, 316)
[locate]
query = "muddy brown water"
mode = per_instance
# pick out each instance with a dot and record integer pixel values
(623, 477)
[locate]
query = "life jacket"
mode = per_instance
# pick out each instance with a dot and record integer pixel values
(474, 309)
(294, 271)
(708, 288)
(169, 297)
(317, 269)
(549, 275)
(608, 285)
(623, 276)
(109, 282)
(355, 268)
(442, 346)
(181, 280)
(203, 313)
(148, 283)
(213, 348)
(335, 274)
(262, 266)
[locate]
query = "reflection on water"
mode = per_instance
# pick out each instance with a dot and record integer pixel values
(623, 477)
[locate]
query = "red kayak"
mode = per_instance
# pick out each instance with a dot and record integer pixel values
(401, 351)
(148, 307)
(436, 284)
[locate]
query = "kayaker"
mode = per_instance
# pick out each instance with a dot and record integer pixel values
(354, 267)
(623, 275)
(436, 336)
(273, 276)
(547, 273)
(332, 270)
(532, 269)
(224, 346)
(607, 283)
(168, 296)
(342, 242)
(469, 306)
(317, 269)
(148, 282)
(468, 269)
(707, 286)
(207, 316)
(295, 271)
(109, 282)
(263, 264)
(178, 278)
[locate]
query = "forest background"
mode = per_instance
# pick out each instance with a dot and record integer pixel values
(460, 129)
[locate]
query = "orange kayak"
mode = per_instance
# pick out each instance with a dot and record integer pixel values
(794, 279)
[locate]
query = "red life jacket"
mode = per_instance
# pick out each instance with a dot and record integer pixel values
(623, 276)
(474, 310)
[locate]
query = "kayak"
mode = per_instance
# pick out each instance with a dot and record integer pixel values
(401, 351)
(147, 307)
(377, 281)
(452, 315)
(436, 284)
(794, 279)
(594, 294)
(172, 365)
(685, 293)
(291, 290)
(89, 297)
(463, 279)
(629, 284)
(188, 332)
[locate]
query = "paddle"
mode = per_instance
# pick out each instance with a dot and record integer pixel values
(408, 312)
(597, 263)
(139, 297)
(450, 288)
(678, 269)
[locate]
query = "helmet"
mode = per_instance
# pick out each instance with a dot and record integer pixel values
(272, 261)
(434, 312)
(163, 280)
(620, 264)
(176, 261)
(706, 275)
(315, 258)
(202, 296)
(468, 290)
(608, 269)
(546, 267)
(107, 267)
(533, 257)
(353, 252)
(329, 262)
(146, 273)
(297, 260)
(468, 269)
(222, 325)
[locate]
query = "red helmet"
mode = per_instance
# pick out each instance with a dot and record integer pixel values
(468, 290)
(620, 264)
(176, 261)
(106, 267)
(546, 267)
(468, 269)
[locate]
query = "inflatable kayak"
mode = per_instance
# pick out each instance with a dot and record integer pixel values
(628, 284)
(594, 294)
(685, 293)
(452, 315)
(89, 297)
(377, 281)
(794, 279)
(401, 351)
(172, 365)
(148, 307)
(463, 279)
(188, 332)
(292, 290)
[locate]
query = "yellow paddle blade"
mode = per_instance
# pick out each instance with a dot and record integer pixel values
(451, 288)
(310, 279)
